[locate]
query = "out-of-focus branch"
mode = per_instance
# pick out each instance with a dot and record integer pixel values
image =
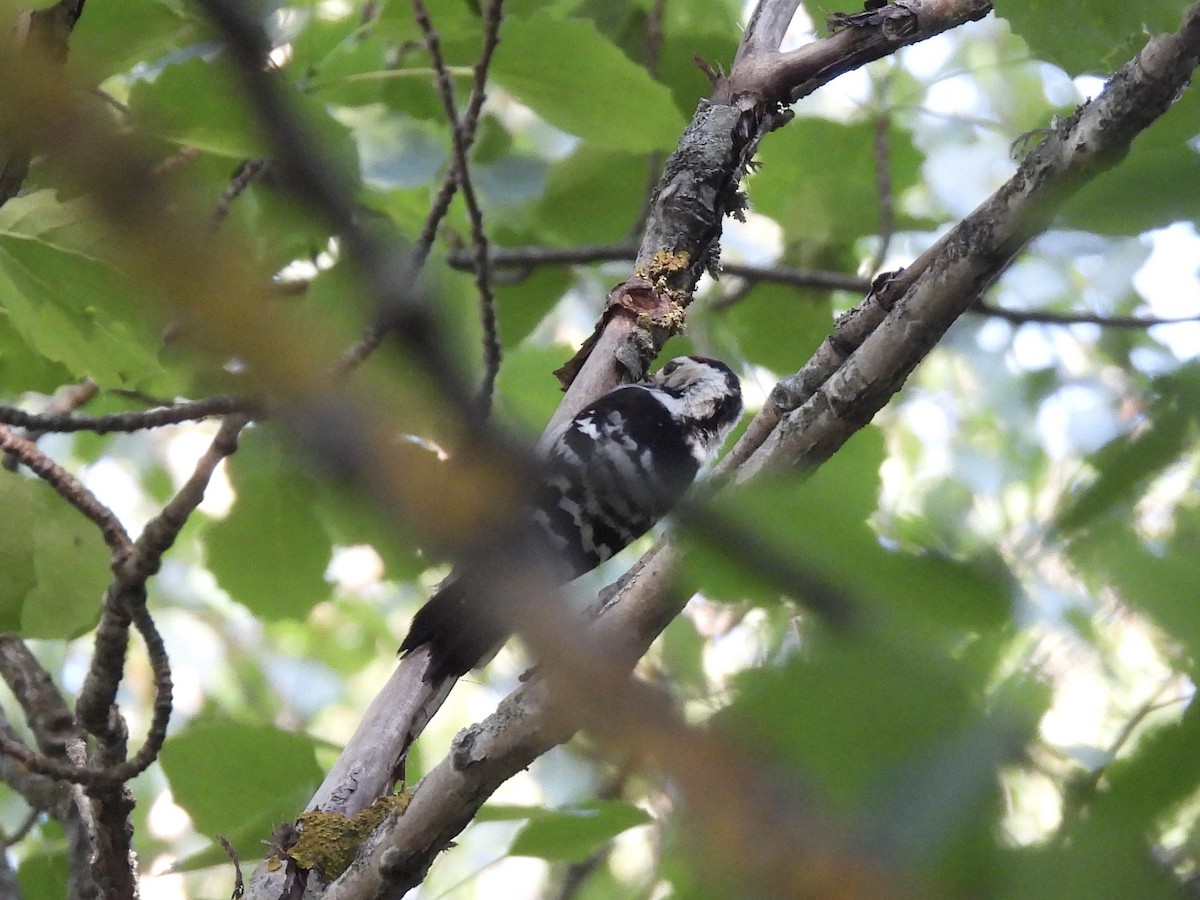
(40, 36)
(794, 848)
(1045, 317)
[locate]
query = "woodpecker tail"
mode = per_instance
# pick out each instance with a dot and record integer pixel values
(458, 636)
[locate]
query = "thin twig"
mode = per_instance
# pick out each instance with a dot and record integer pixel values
(464, 136)
(460, 168)
(31, 819)
(65, 401)
(70, 489)
(239, 886)
(1044, 317)
(128, 422)
(246, 175)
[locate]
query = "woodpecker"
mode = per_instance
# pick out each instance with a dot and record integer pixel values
(617, 468)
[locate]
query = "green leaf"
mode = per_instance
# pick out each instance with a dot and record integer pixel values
(44, 874)
(20, 503)
(67, 599)
(1125, 466)
(103, 43)
(677, 67)
(818, 524)
(1153, 185)
(527, 391)
(819, 202)
(239, 779)
(1107, 850)
(1161, 584)
(818, 529)
(198, 104)
(594, 91)
(1088, 35)
(64, 301)
(20, 365)
(40, 596)
(521, 306)
(572, 834)
(814, 713)
(270, 553)
(779, 327)
(593, 196)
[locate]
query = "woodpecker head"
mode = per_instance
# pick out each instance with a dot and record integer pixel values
(705, 395)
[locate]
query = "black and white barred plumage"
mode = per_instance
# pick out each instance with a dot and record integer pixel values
(610, 475)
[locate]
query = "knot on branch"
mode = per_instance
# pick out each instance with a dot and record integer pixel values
(648, 300)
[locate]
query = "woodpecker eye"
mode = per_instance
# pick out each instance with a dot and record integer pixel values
(671, 366)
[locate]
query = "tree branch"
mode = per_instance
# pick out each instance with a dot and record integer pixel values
(822, 408)
(129, 422)
(460, 142)
(522, 728)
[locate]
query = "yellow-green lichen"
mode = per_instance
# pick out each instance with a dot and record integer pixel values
(329, 842)
(664, 263)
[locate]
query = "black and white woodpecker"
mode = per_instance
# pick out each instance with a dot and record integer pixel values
(607, 478)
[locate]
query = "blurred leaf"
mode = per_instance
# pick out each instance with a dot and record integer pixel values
(1162, 584)
(573, 833)
(1084, 36)
(812, 713)
(103, 43)
(521, 306)
(778, 326)
(593, 196)
(782, 511)
(240, 779)
(349, 518)
(819, 529)
(1105, 852)
(64, 300)
(596, 92)
(682, 650)
(55, 563)
(527, 391)
(812, 200)
(1125, 466)
(199, 104)
(270, 553)
(44, 875)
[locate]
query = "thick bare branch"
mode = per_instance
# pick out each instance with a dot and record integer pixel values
(822, 412)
